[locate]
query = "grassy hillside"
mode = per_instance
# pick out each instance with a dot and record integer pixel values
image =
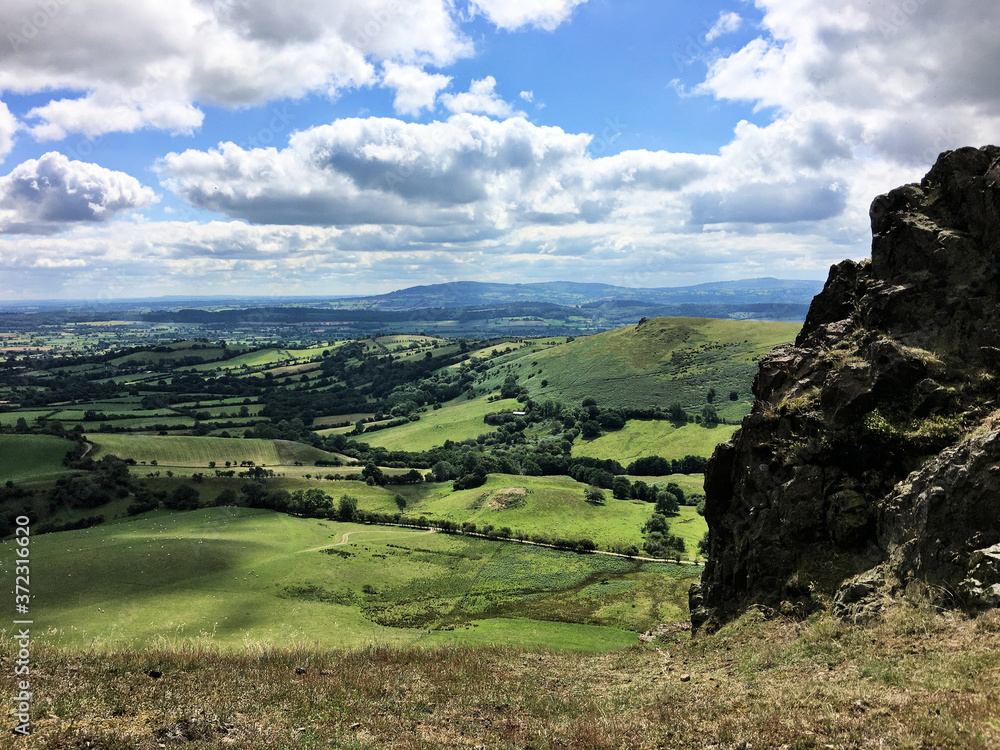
(918, 680)
(654, 438)
(199, 451)
(457, 420)
(230, 576)
(655, 363)
(554, 506)
(32, 458)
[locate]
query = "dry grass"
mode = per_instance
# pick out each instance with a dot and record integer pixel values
(918, 680)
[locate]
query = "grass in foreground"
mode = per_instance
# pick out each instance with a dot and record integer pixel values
(919, 680)
(223, 576)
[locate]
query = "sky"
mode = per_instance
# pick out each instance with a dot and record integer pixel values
(311, 147)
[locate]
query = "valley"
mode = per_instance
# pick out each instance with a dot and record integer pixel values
(391, 490)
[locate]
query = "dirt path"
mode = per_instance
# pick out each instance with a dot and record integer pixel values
(346, 537)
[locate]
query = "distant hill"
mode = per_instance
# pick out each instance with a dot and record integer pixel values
(466, 293)
(655, 363)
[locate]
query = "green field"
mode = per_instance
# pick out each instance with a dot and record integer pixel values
(554, 506)
(457, 420)
(233, 576)
(199, 451)
(654, 438)
(32, 458)
(656, 363)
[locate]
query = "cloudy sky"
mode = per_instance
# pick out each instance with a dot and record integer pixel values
(359, 146)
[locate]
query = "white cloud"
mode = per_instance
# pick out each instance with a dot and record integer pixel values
(528, 96)
(8, 126)
(886, 73)
(726, 24)
(42, 196)
(152, 63)
(467, 170)
(415, 89)
(516, 14)
(481, 97)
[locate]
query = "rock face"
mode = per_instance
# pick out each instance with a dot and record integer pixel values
(870, 464)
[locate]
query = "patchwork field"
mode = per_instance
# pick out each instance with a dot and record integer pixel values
(199, 451)
(232, 576)
(457, 420)
(654, 438)
(32, 458)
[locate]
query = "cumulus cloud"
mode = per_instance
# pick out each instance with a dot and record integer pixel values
(416, 90)
(481, 97)
(885, 73)
(150, 64)
(726, 24)
(464, 170)
(769, 204)
(516, 14)
(43, 196)
(8, 126)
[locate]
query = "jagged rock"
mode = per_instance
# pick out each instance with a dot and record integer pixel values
(869, 464)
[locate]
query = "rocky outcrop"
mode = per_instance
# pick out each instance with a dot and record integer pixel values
(870, 464)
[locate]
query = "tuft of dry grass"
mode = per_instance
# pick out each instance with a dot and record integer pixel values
(917, 680)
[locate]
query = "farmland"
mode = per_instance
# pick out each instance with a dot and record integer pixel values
(229, 576)
(654, 438)
(32, 458)
(514, 439)
(188, 451)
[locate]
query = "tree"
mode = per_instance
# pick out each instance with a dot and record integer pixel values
(709, 415)
(590, 429)
(22, 425)
(594, 496)
(710, 396)
(667, 503)
(733, 396)
(676, 413)
(373, 475)
(184, 497)
(400, 502)
(443, 471)
(621, 488)
(347, 508)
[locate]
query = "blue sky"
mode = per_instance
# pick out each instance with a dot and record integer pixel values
(307, 147)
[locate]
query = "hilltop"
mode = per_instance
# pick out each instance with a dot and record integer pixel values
(653, 364)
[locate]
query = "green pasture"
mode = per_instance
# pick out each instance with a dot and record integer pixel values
(457, 420)
(32, 458)
(657, 363)
(234, 577)
(654, 438)
(193, 451)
